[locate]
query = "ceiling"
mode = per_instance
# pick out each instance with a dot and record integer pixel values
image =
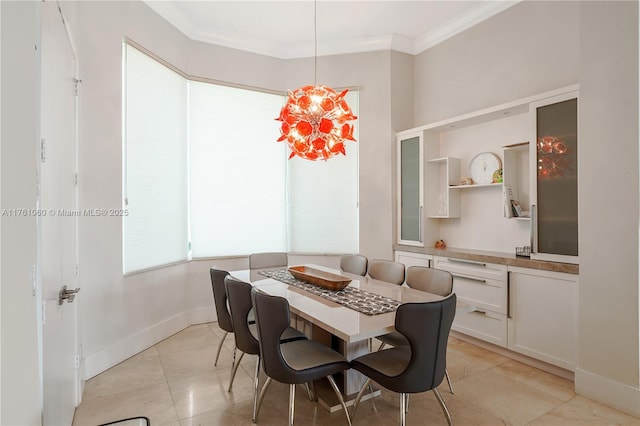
(285, 29)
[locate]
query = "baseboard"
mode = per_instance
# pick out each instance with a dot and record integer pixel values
(106, 358)
(202, 315)
(609, 392)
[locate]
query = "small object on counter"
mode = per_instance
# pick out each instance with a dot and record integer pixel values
(523, 251)
(440, 244)
(466, 181)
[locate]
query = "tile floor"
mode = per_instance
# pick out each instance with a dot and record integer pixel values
(174, 383)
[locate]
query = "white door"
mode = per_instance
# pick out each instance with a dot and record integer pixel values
(57, 230)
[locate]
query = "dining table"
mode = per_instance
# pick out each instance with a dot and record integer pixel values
(347, 325)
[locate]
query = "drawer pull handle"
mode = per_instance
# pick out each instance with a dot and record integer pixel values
(478, 311)
(479, 280)
(469, 262)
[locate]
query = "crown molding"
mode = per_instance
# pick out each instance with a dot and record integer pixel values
(395, 42)
(461, 23)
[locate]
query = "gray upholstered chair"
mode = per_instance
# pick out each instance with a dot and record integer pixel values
(295, 362)
(354, 264)
(418, 366)
(222, 311)
(431, 280)
(386, 270)
(244, 330)
(268, 260)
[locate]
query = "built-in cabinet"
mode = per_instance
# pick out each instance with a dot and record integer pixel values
(538, 141)
(543, 315)
(529, 311)
(526, 310)
(554, 163)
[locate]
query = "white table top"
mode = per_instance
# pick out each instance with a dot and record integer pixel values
(341, 321)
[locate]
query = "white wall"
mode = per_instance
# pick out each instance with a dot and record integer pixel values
(528, 49)
(20, 387)
(531, 48)
(121, 316)
(608, 128)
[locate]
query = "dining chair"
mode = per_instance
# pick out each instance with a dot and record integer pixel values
(222, 311)
(430, 280)
(268, 260)
(354, 264)
(245, 333)
(418, 366)
(296, 362)
(386, 270)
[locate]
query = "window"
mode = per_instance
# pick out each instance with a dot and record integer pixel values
(323, 200)
(204, 175)
(237, 171)
(155, 231)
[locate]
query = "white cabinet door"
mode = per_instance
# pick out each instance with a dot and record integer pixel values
(543, 315)
(410, 198)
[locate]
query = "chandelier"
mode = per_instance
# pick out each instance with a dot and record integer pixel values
(552, 157)
(315, 119)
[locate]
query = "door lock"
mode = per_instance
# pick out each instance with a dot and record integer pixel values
(66, 294)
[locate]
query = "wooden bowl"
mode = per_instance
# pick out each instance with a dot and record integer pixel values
(320, 278)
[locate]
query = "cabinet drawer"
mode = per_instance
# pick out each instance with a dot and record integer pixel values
(471, 268)
(413, 259)
(481, 292)
(485, 325)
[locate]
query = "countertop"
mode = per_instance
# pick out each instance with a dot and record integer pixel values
(509, 259)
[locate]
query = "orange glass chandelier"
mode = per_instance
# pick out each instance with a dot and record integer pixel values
(552, 157)
(315, 122)
(315, 119)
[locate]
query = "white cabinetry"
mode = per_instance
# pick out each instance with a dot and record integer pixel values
(554, 194)
(410, 178)
(441, 174)
(484, 287)
(543, 315)
(413, 259)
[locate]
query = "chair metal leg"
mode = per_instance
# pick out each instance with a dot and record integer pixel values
(382, 345)
(443, 406)
(292, 402)
(446, 374)
(236, 364)
(220, 348)
(255, 390)
(359, 397)
(403, 409)
(260, 398)
(306, 385)
(340, 398)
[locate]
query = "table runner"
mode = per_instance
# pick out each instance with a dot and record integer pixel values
(359, 300)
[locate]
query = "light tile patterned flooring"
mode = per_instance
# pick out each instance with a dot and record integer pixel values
(174, 383)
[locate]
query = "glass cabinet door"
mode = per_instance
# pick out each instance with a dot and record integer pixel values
(410, 192)
(555, 221)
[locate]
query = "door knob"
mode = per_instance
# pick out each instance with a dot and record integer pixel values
(66, 294)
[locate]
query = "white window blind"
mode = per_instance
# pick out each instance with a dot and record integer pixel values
(323, 199)
(237, 171)
(205, 177)
(155, 163)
